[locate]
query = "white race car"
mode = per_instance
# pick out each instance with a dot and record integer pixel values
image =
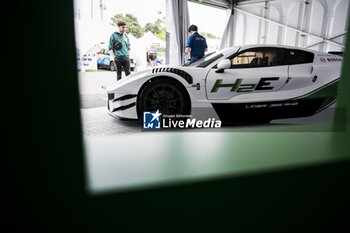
(256, 83)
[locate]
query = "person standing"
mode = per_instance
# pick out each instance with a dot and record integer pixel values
(196, 44)
(119, 47)
(148, 59)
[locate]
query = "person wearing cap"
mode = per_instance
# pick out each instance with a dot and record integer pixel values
(196, 44)
(119, 47)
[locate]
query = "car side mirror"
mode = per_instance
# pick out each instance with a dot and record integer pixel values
(222, 65)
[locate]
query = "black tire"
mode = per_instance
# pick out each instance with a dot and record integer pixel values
(112, 66)
(166, 95)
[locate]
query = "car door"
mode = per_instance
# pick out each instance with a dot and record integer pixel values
(252, 70)
(301, 70)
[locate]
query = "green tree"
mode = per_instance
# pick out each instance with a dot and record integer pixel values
(161, 35)
(156, 27)
(132, 24)
(209, 35)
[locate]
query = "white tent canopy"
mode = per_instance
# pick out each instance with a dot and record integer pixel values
(89, 34)
(149, 38)
(138, 51)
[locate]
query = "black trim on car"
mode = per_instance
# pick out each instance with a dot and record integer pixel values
(338, 53)
(110, 96)
(208, 62)
(179, 72)
(268, 110)
(124, 97)
(124, 107)
(286, 57)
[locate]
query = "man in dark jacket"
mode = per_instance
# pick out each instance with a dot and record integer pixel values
(119, 47)
(196, 43)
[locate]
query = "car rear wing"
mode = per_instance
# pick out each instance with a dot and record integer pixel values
(338, 53)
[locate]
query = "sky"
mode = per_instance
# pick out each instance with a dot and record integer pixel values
(150, 10)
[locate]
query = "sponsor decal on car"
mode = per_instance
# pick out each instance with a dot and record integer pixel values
(272, 105)
(264, 84)
(334, 59)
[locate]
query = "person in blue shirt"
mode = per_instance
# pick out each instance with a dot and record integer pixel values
(196, 44)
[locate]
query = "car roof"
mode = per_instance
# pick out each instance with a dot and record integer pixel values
(244, 47)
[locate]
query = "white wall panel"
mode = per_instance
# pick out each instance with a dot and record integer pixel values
(240, 29)
(252, 31)
(273, 30)
(292, 20)
(321, 18)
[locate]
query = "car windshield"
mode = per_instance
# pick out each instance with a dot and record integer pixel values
(200, 60)
(207, 59)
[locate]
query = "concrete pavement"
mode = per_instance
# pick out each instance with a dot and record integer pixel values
(92, 94)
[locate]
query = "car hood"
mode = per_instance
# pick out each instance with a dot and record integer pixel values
(148, 71)
(139, 75)
(130, 78)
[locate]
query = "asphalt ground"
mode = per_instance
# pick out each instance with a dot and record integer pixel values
(92, 95)
(97, 122)
(93, 104)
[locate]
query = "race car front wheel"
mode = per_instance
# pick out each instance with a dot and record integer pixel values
(166, 95)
